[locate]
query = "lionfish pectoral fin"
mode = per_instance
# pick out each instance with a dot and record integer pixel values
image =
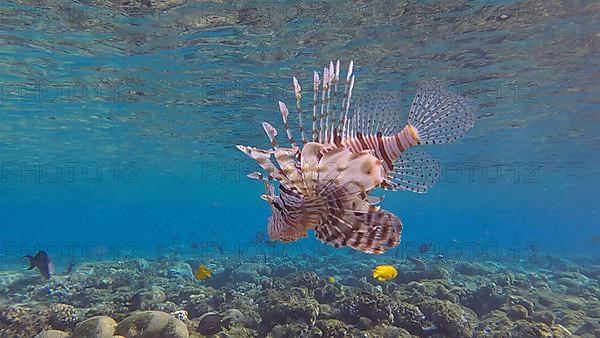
(438, 115)
(309, 161)
(341, 167)
(350, 219)
(288, 166)
(372, 232)
(414, 171)
(280, 228)
(257, 176)
(374, 199)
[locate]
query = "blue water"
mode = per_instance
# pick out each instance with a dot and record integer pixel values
(118, 126)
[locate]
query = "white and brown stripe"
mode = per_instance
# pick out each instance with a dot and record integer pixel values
(387, 148)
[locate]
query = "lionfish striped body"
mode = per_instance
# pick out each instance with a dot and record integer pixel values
(325, 184)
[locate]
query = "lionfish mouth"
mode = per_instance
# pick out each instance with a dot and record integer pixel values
(326, 180)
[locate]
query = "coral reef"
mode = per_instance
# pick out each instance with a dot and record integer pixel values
(452, 319)
(249, 272)
(287, 306)
(22, 321)
(296, 298)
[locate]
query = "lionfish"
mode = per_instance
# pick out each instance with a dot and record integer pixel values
(325, 182)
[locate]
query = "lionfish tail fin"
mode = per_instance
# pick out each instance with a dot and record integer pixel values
(438, 115)
(374, 232)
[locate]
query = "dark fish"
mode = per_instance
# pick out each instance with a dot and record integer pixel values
(135, 302)
(195, 246)
(596, 239)
(424, 248)
(270, 243)
(69, 268)
(210, 323)
(42, 261)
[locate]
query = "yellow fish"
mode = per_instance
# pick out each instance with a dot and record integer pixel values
(202, 272)
(385, 272)
(331, 280)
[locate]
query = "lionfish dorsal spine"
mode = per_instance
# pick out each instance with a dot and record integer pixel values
(329, 126)
(323, 116)
(284, 115)
(298, 95)
(314, 116)
(324, 88)
(335, 130)
(345, 102)
(271, 134)
(350, 87)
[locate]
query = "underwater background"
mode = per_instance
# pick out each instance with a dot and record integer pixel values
(118, 133)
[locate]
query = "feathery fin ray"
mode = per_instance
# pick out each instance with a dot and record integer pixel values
(438, 115)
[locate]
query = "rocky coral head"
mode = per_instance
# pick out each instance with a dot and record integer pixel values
(232, 315)
(63, 316)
